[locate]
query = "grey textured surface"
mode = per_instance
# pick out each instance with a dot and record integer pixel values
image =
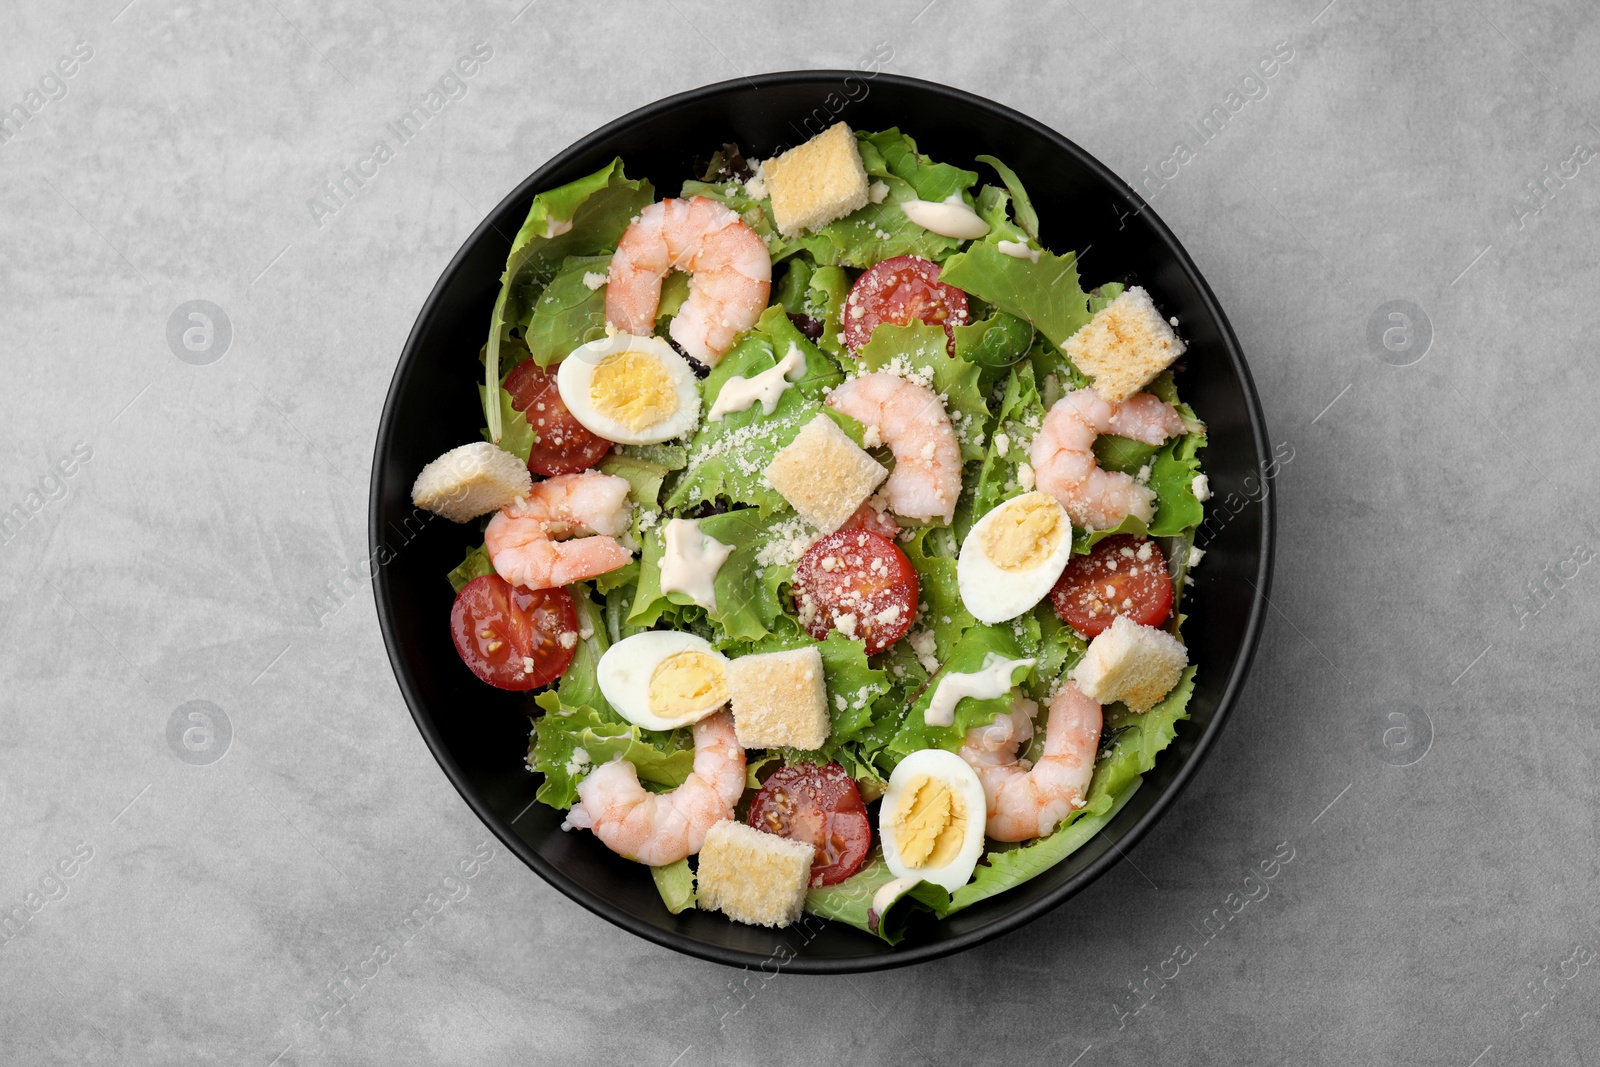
(1435, 536)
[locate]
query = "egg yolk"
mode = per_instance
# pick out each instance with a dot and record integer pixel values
(930, 823)
(1022, 535)
(634, 389)
(687, 682)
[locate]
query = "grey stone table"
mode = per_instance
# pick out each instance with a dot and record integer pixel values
(1413, 760)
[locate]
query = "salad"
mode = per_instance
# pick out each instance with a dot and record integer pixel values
(834, 530)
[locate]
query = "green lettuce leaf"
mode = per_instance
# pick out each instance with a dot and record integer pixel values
(881, 231)
(516, 436)
(932, 552)
(851, 900)
(727, 459)
(675, 883)
(476, 565)
(967, 656)
(1022, 205)
(585, 217)
(568, 313)
(662, 760)
(1020, 416)
(747, 604)
(1045, 293)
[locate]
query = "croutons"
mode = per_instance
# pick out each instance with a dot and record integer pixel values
(814, 183)
(779, 699)
(824, 474)
(1135, 664)
(1125, 346)
(470, 481)
(752, 876)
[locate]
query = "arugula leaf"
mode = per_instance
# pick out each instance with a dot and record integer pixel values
(585, 217)
(568, 313)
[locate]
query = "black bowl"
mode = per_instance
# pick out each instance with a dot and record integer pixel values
(479, 735)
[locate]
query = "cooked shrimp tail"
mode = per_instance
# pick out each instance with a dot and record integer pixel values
(1025, 801)
(662, 828)
(1064, 462)
(731, 275)
(912, 421)
(561, 531)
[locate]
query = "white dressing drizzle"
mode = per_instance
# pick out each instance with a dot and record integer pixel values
(1018, 250)
(951, 217)
(991, 680)
(739, 393)
(691, 561)
(888, 893)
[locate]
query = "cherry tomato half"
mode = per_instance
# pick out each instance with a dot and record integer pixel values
(901, 290)
(868, 517)
(859, 582)
(565, 445)
(1121, 575)
(820, 805)
(511, 637)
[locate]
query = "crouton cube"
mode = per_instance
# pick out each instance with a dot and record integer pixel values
(779, 699)
(1135, 664)
(752, 876)
(814, 183)
(824, 474)
(470, 481)
(1125, 346)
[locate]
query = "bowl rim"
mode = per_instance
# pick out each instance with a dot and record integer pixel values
(895, 957)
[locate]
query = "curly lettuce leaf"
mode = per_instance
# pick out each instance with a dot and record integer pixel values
(851, 901)
(1046, 293)
(932, 552)
(662, 760)
(920, 352)
(579, 730)
(568, 313)
(727, 459)
(585, 217)
(747, 604)
(1020, 416)
(881, 231)
(968, 655)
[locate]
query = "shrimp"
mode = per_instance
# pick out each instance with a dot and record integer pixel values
(662, 828)
(527, 538)
(1063, 455)
(1027, 802)
(912, 421)
(731, 268)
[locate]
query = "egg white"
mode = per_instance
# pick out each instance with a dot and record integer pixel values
(575, 377)
(624, 673)
(994, 595)
(954, 772)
